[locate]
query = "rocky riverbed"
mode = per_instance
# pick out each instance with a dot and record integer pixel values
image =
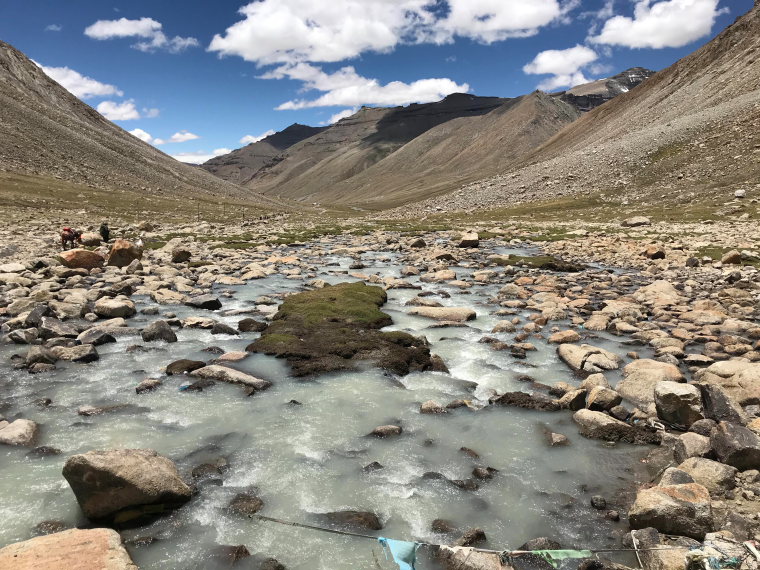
(501, 390)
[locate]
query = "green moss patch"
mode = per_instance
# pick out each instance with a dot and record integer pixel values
(337, 328)
(545, 262)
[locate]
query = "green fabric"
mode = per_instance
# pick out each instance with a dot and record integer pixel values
(553, 557)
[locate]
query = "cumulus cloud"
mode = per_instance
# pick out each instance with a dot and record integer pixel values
(345, 87)
(248, 139)
(667, 23)
(292, 31)
(179, 137)
(147, 28)
(340, 115)
(142, 135)
(200, 156)
(53, 28)
(124, 111)
(78, 84)
(563, 65)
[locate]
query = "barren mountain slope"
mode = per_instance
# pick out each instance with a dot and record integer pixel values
(688, 134)
(242, 164)
(454, 152)
(354, 144)
(45, 130)
(589, 96)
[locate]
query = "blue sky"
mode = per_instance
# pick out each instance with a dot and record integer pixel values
(195, 78)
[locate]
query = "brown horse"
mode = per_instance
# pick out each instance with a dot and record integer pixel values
(70, 237)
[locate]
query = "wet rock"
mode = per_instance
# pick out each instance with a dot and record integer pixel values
(683, 510)
(573, 400)
(735, 445)
(676, 476)
(112, 307)
(231, 555)
(354, 520)
(98, 548)
(654, 557)
(82, 353)
(230, 375)
(49, 527)
(563, 337)
(18, 432)
(251, 325)
(588, 358)
(184, 366)
(386, 431)
(81, 259)
(123, 253)
(43, 451)
(181, 255)
(455, 558)
(148, 385)
(471, 537)
(716, 477)
(221, 328)
(597, 425)
(432, 407)
(443, 526)
(484, 473)
(526, 401)
(96, 337)
(469, 239)
(371, 467)
(208, 302)
(676, 403)
(446, 314)
(53, 328)
(598, 502)
(198, 386)
(106, 483)
(158, 331)
(245, 504)
(703, 427)
(556, 439)
(602, 399)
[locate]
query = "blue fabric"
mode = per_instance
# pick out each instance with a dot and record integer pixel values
(403, 553)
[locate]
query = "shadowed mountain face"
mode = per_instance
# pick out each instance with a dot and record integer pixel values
(241, 165)
(383, 157)
(46, 131)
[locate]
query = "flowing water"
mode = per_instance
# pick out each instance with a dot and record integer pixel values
(307, 459)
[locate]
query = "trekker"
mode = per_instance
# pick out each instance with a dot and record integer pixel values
(105, 232)
(70, 236)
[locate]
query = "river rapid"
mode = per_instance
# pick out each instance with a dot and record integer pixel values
(307, 459)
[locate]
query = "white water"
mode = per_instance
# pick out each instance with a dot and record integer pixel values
(308, 459)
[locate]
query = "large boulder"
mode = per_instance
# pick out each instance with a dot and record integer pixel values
(716, 477)
(661, 293)
(158, 330)
(462, 558)
(354, 520)
(636, 221)
(18, 432)
(81, 259)
(91, 239)
(204, 302)
(112, 307)
(123, 253)
(75, 549)
(736, 445)
(230, 375)
(683, 510)
(677, 403)
(740, 379)
(469, 239)
(108, 482)
(587, 358)
(640, 379)
(82, 353)
(598, 425)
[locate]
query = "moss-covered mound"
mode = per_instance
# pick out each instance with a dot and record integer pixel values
(336, 328)
(545, 262)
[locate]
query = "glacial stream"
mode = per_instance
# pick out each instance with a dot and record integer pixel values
(307, 459)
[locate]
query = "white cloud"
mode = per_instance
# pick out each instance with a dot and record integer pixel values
(248, 139)
(78, 84)
(200, 156)
(667, 23)
(150, 113)
(340, 115)
(491, 21)
(181, 136)
(53, 28)
(345, 87)
(292, 31)
(147, 28)
(564, 66)
(124, 111)
(142, 135)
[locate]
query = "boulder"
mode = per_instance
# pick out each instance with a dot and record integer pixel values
(208, 302)
(386, 431)
(95, 336)
(679, 404)
(587, 358)
(636, 221)
(245, 504)
(18, 432)
(91, 239)
(123, 253)
(736, 445)
(469, 239)
(732, 257)
(184, 366)
(598, 425)
(462, 558)
(640, 379)
(602, 399)
(683, 510)
(82, 353)
(451, 314)
(563, 337)
(740, 379)
(230, 375)
(432, 407)
(75, 549)
(158, 330)
(354, 520)
(691, 445)
(251, 325)
(719, 406)
(181, 255)
(52, 328)
(107, 482)
(111, 307)
(675, 476)
(168, 297)
(716, 477)
(81, 259)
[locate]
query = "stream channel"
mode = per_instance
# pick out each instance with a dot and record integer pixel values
(307, 459)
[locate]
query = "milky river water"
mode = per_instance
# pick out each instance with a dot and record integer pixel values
(307, 459)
